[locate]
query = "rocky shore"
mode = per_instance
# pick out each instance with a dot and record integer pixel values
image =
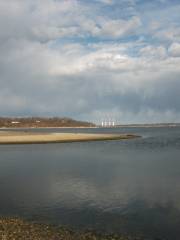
(17, 229)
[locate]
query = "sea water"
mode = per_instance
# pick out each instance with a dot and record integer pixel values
(127, 186)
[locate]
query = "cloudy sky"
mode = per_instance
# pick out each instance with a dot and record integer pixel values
(91, 59)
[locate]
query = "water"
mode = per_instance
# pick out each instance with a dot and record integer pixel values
(129, 186)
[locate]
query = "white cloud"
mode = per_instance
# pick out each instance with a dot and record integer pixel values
(57, 19)
(153, 52)
(118, 28)
(174, 49)
(171, 34)
(109, 2)
(49, 63)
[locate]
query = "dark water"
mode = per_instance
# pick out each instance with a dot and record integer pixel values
(129, 186)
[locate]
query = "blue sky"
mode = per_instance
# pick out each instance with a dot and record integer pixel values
(91, 60)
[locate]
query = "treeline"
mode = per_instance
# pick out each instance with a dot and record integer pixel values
(41, 122)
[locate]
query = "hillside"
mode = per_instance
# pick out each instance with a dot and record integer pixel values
(41, 122)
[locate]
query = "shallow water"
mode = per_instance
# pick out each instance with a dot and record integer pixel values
(129, 186)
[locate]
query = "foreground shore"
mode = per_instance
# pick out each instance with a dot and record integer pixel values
(17, 229)
(8, 137)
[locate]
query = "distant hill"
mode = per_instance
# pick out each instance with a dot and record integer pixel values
(41, 122)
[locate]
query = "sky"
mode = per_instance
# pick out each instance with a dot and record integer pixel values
(91, 59)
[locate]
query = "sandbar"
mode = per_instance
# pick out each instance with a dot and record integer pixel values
(13, 137)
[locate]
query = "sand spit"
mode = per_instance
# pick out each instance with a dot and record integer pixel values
(7, 137)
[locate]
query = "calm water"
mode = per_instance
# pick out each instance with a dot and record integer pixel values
(129, 186)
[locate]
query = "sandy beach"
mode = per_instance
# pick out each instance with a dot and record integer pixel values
(10, 137)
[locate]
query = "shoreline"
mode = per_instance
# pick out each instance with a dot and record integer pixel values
(97, 127)
(20, 229)
(15, 137)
